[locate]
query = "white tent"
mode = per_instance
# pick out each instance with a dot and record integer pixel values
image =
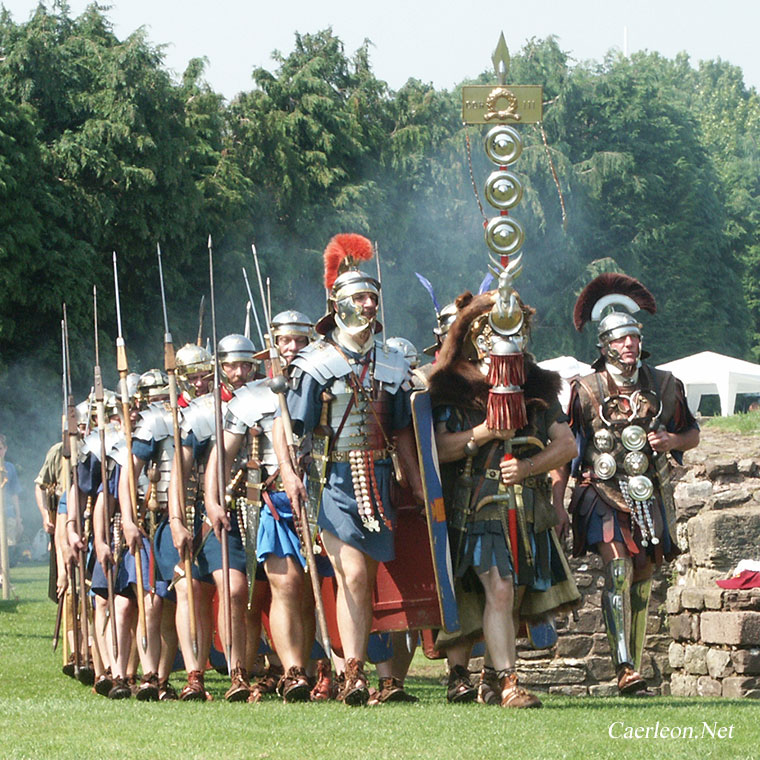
(708, 372)
(567, 367)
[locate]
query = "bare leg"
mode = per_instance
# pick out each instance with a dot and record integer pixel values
(498, 622)
(355, 573)
(286, 579)
(168, 640)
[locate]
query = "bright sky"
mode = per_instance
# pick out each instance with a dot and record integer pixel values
(429, 39)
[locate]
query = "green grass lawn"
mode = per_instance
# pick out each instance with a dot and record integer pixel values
(44, 714)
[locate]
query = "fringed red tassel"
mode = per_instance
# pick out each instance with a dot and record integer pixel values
(506, 409)
(506, 369)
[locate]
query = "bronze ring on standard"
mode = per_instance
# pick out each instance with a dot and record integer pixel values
(504, 236)
(503, 144)
(503, 189)
(634, 437)
(640, 488)
(604, 440)
(605, 466)
(636, 463)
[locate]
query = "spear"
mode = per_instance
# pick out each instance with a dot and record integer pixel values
(253, 305)
(66, 484)
(379, 280)
(170, 365)
(74, 492)
(220, 469)
(123, 367)
(201, 312)
(280, 386)
(107, 503)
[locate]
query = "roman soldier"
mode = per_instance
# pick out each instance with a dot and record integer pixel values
(499, 431)
(237, 361)
(270, 529)
(627, 417)
(352, 393)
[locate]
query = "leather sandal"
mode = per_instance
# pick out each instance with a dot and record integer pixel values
(489, 688)
(513, 695)
(267, 684)
(194, 690)
(460, 688)
(166, 692)
(390, 689)
(240, 688)
(355, 691)
(103, 683)
(294, 685)
(630, 681)
(148, 689)
(324, 686)
(120, 689)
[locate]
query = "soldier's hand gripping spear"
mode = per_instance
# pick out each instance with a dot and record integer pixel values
(123, 368)
(73, 520)
(220, 472)
(170, 365)
(107, 500)
(280, 386)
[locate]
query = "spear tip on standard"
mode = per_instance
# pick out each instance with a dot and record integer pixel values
(209, 240)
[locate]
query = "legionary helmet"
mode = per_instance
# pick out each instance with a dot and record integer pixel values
(152, 385)
(407, 348)
(343, 281)
(82, 410)
(444, 319)
(611, 300)
(292, 322)
(191, 359)
(235, 348)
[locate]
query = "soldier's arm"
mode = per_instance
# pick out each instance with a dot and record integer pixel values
(100, 533)
(559, 451)
(291, 480)
(132, 534)
(215, 511)
(41, 501)
(662, 441)
(181, 535)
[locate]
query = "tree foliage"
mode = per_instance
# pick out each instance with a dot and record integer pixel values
(643, 164)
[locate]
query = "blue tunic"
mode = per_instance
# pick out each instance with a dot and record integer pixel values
(339, 513)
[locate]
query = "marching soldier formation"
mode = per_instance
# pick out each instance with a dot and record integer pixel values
(248, 502)
(252, 496)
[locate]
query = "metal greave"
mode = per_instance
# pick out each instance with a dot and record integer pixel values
(640, 593)
(616, 608)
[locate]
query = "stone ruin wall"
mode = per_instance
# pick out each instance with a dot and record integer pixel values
(701, 639)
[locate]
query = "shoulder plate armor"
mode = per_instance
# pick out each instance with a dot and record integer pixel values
(322, 361)
(253, 402)
(154, 423)
(91, 443)
(391, 367)
(198, 418)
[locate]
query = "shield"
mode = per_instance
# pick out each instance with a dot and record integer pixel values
(438, 535)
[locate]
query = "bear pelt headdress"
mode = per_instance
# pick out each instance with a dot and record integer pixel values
(458, 381)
